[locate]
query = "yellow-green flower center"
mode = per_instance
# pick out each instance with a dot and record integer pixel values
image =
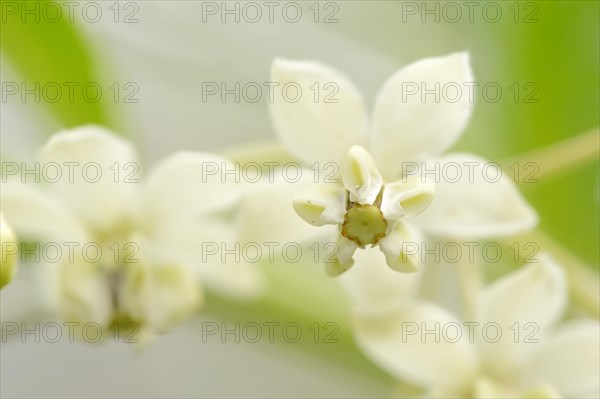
(364, 224)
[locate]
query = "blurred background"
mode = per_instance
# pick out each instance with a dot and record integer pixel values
(151, 58)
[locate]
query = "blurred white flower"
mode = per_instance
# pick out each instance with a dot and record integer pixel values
(8, 252)
(149, 234)
(405, 137)
(513, 348)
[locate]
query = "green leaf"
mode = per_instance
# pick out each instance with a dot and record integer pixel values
(47, 50)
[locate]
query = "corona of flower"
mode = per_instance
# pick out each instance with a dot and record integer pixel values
(367, 211)
(380, 203)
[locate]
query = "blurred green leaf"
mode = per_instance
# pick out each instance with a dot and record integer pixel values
(560, 57)
(44, 51)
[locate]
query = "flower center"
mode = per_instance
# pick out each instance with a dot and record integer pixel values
(364, 224)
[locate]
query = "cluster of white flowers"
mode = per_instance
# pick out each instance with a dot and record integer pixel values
(150, 270)
(376, 207)
(371, 206)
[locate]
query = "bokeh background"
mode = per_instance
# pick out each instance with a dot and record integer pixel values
(550, 49)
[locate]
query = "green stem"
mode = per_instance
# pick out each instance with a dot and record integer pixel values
(561, 157)
(471, 283)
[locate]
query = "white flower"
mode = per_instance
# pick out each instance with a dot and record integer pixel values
(8, 252)
(150, 232)
(514, 347)
(404, 131)
(367, 212)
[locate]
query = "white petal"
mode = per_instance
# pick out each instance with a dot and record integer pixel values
(316, 131)
(407, 197)
(84, 291)
(401, 248)
(470, 202)
(534, 297)
(35, 214)
(8, 252)
(321, 204)
(360, 176)
(186, 185)
(159, 296)
(105, 176)
(397, 343)
(489, 389)
(416, 127)
(266, 213)
(571, 360)
(373, 286)
(344, 255)
(223, 262)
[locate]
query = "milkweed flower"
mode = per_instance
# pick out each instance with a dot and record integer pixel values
(513, 347)
(149, 233)
(385, 198)
(8, 252)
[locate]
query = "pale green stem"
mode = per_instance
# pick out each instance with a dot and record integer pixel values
(560, 157)
(471, 283)
(268, 151)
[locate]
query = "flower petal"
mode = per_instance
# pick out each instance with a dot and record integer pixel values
(398, 343)
(401, 248)
(8, 252)
(102, 188)
(534, 297)
(186, 185)
(570, 360)
(373, 286)
(344, 256)
(474, 200)
(211, 248)
(84, 292)
(159, 296)
(360, 176)
(406, 198)
(316, 129)
(321, 204)
(266, 213)
(35, 214)
(485, 388)
(415, 127)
